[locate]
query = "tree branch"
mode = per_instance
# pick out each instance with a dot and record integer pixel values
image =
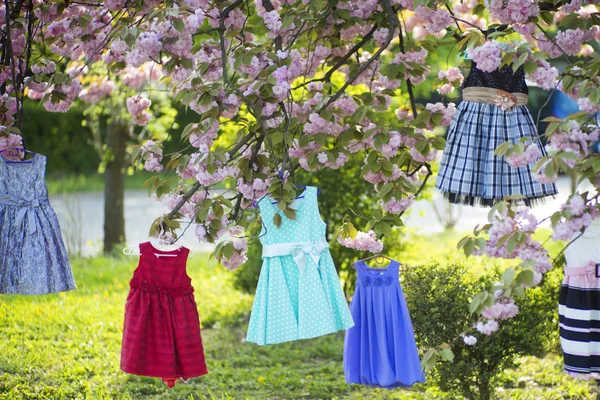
(363, 67)
(197, 185)
(389, 10)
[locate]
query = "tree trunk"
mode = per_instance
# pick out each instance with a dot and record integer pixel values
(114, 185)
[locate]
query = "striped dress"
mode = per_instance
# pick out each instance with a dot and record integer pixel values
(579, 306)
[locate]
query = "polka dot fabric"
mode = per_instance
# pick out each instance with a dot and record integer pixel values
(291, 305)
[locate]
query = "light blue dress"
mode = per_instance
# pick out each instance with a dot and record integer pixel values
(299, 295)
(380, 350)
(33, 258)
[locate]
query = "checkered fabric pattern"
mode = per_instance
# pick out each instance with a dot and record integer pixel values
(470, 173)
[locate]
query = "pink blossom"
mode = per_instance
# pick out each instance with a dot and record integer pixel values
(317, 124)
(486, 56)
(569, 41)
(512, 11)
(96, 91)
(437, 20)
(137, 104)
(488, 328)
(272, 20)
(394, 206)
(544, 76)
(70, 90)
(364, 241)
(531, 154)
(445, 89)
(470, 340)
(501, 310)
(380, 36)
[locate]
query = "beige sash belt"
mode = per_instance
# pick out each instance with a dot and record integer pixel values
(497, 97)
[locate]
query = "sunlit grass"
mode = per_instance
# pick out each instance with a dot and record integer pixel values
(66, 346)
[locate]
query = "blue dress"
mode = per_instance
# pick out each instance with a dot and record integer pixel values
(299, 295)
(33, 258)
(380, 349)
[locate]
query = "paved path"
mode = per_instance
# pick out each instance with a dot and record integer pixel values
(140, 211)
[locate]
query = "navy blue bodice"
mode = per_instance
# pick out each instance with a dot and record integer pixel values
(503, 78)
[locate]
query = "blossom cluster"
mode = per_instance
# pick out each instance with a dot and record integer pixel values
(449, 79)
(487, 56)
(436, 20)
(138, 107)
(512, 11)
(394, 206)
(189, 208)
(364, 241)
(153, 155)
(575, 218)
(574, 138)
(240, 247)
(447, 112)
(531, 154)
(568, 41)
(488, 327)
(202, 230)
(545, 76)
(504, 309)
(503, 226)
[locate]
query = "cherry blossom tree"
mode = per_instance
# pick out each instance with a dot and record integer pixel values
(282, 85)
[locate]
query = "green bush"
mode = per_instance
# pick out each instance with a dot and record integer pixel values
(438, 297)
(342, 193)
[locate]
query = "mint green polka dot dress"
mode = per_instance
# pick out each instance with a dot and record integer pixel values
(296, 299)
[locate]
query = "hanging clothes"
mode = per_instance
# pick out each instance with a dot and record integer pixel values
(298, 294)
(493, 111)
(161, 332)
(380, 350)
(33, 257)
(579, 306)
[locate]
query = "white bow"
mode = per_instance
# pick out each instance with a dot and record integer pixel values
(313, 249)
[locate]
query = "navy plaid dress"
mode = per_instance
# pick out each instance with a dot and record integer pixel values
(469, 172)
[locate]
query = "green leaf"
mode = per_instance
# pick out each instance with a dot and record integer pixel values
(277, 220)
(547, 17)
(526, 277)
(508, 276)
(228, 250)
(529, 67)
(447, 354)
(186, 63)
(429, 360)
(351, 231)
(290, 213)
(178, 25)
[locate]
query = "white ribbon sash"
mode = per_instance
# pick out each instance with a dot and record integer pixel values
(298, 250)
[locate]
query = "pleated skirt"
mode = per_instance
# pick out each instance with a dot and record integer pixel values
(471, 174)
(380, 350)
(579, 321)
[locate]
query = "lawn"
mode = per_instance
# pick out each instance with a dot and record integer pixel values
(92, 182)
(67, 345)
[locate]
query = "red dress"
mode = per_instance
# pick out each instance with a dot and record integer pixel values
(161, 333)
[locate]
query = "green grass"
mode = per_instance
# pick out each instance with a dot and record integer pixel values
(67, 346)
(93, 182)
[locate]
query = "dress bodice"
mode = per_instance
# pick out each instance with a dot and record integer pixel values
(24, 180)
(377, 277)
(503, 78)
(162, 273)
(307, 226)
